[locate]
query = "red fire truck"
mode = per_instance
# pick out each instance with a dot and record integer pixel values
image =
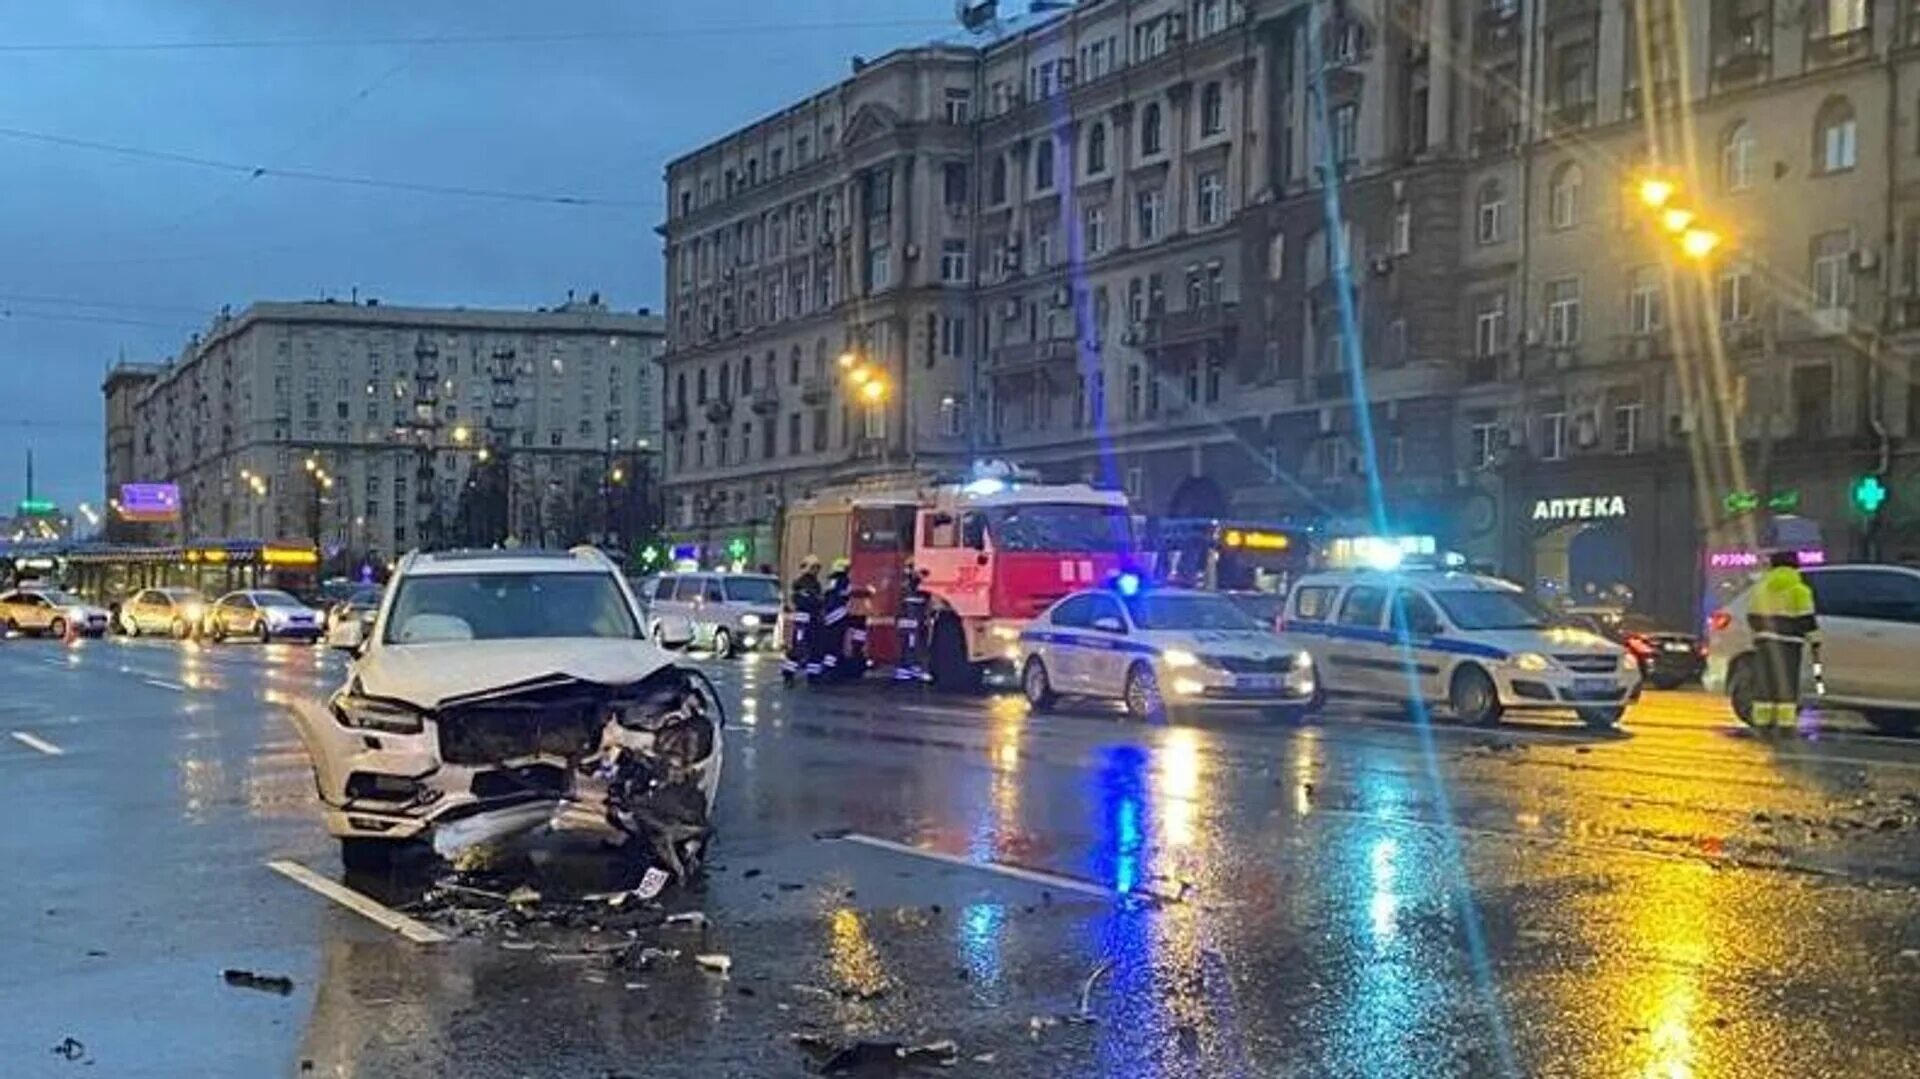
(995, 551)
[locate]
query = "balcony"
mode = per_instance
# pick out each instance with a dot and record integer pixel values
(1829, 50)
(1666, 92)
(1030, 356)
(505, 399)
(816, 390)
(765, 401)
(1571, 116)
(1207, 322)
(719, 410)
(676, 417)
(1741, 63)
(1417, 378)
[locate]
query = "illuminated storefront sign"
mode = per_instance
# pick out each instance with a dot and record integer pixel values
(149, 502)
(1258, 541)
(1596, 508)
(1810, 556)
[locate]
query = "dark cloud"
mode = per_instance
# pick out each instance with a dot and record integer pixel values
(153, 248)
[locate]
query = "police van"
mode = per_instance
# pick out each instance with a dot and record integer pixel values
(1478, 646)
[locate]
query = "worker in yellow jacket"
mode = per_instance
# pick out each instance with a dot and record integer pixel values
(1781, 616)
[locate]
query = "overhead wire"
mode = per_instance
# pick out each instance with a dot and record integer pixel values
(460, 40)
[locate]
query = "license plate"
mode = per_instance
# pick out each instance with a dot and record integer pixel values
(1258, 681)
(1585, 686)
(1677, 646)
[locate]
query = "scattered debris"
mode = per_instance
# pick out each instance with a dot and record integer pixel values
(750, 874)
(1910, 953)
(1039, 1023)
(265, 983)
(983, 1058)
(714, 962)
(644, 956)
(874, 1058)
(523, 896)
(693, 918)
(1085, 1014)
(789, 886)
(70, 1048)
(811, 991)
(1890, 824)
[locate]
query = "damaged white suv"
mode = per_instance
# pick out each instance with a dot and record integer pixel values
(502, 691)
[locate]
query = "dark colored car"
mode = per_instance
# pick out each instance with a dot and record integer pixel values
(1669, 658)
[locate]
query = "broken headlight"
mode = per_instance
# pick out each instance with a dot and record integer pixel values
(370, 714)
(669, 697)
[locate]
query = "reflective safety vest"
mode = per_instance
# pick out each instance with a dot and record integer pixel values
(1781, 607)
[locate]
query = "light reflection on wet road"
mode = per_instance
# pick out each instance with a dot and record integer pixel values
(1675, 900)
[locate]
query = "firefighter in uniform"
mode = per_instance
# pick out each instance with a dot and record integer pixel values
(1782, 619)
(804, 598)
(831, 641)
(912, 628)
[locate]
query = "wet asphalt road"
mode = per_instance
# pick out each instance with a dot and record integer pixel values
(1362, 896)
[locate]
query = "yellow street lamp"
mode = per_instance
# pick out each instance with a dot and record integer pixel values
(861, 375)
(1656, 192)
(312, 464)
(848, 359)
(874, 391)
(1675, 219)
(461, 434)
(485, 455)
(1699, 243)
(619, 474)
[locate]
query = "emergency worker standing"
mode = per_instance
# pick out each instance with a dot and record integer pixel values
(912, 628)
(831, 641)
(804, 599)
(1781, 616)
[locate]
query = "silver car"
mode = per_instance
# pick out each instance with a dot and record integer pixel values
(174, 612)
(729, 613)
(47, 612)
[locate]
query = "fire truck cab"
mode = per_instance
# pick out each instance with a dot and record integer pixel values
(993, 552)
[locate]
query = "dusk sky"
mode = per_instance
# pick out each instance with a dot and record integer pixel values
(113, 253)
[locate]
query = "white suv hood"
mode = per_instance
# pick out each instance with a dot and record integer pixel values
(426, 675)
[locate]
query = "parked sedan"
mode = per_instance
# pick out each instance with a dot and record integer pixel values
(173, 612)
(47, 612)
(1668, 658)
(266, 613)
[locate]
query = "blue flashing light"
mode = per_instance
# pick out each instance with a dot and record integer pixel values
(985, 485)
(1127, 584)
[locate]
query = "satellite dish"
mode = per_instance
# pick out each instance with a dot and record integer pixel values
(977, 16)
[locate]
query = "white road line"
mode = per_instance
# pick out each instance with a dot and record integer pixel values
(34, 741)
(164, 684)
(383, 916)
(1031, 876)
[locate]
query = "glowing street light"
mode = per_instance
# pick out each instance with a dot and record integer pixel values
(861, 375)
(619, 474)
(1699, 243)
(1675, 219)
(874, 391)
(485, 455)
(848, 360)
(461, 434)
(312, 464)
(1656, 192)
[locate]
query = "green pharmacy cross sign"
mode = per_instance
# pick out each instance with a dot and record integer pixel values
(1869, 494)
(737, 548)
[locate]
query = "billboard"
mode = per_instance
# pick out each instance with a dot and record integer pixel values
(149, 502)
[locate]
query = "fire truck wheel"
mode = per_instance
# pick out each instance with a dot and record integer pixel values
(952, 670)
(1038, 688)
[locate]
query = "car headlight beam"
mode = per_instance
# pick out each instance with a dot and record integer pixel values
(1179, 659)
(751, 621)
(1531, 661)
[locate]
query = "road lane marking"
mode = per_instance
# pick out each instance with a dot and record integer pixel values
(34, 741)
(1031, 876)
(164, 684)
(381, 915)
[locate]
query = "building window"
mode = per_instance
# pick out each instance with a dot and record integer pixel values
(1736, 158)
(1216, 369)
(950, 417)
(1735, 291)
(953, 261)
(1043, 164)
(1483, 442)
(1152, 211)
(819, 430)
(1096, 149)
(1094, 234)
(1490, 213)
(1832, 266)
(1835, 144)
(1346, 133)
(700, 449)
(1277, 257)
(1553, 436)
(1210, 198)
(1626, 428)
(1813, 401)
(953, 185)
(1563, 312)
(1403, 229)
(1134, 387)
(959, 105)
(700, 386)
(1209, 17)
(1490, 325)
(1563, 197)
(1212, 110)
(1042, 245)
(997, 180)
(1150, 129)
(1646, 300)
(1844, 17)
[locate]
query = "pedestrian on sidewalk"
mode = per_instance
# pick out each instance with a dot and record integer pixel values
(1781, 616)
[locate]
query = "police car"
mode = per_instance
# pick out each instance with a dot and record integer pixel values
(1155, 649)
(1478, 645)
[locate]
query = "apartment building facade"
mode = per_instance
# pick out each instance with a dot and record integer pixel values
(374, 429)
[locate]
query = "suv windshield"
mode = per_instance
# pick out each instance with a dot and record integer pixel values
(1060, 527)
(1493, 610)
(753, 590)
(503, 606)
(275, 599)
(1189, 612)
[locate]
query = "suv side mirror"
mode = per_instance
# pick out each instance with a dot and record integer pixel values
(347, 635)
(1109, 624)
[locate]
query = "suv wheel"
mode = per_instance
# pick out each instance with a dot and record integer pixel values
(1036, 685)
(722, 643)
(1473, 698)
(952, 670)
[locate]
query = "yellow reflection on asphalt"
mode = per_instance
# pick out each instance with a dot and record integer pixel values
(855, 962)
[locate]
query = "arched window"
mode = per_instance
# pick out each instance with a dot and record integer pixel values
(1212, 110)
(1563, 196)
(1736, 157)
(1835, 142)
(1490, 213)
(997, 181)
(793, 366)
(1150, 129)
(1096, 149)
(1043, 163)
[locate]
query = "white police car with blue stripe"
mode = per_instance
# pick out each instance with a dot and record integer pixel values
(1161, 649)
(1478, 645)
